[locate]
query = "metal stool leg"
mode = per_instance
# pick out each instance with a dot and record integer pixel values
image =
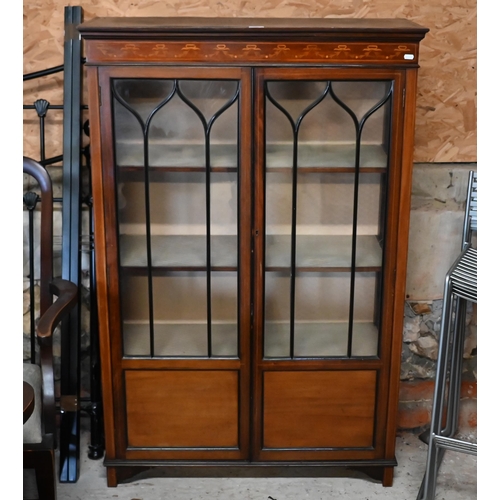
(456, 369)
(460, 287)
(433, 462)
(454, 361)
(446, 392)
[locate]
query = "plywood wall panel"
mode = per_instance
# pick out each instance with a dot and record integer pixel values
(446, 117)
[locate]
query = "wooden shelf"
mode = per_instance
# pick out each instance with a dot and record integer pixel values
(178, 251)
(180, 339)
(322, 253)
(326, 339)
(313, 157)
(325, 157)
(170, 155)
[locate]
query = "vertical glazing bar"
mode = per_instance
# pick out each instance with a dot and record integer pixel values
(209, 248)
(293, 242)
(354, 241)
(147, 209)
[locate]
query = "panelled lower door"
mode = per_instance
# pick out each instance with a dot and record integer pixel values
(177, 183)
(326, 173)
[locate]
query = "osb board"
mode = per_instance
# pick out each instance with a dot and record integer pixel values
(446, 104)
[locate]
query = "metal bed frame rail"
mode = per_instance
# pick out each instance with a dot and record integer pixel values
(74, 158)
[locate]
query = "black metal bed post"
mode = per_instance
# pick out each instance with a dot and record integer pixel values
(70, 402)
(96, 446)
(30, 201)
(71, 253)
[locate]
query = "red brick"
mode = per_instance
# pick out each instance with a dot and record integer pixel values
(423, 390)
(413, 416)
(416, 390)
(469, 390)
(415, 404)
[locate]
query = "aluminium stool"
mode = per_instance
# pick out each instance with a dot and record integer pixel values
(459, 289)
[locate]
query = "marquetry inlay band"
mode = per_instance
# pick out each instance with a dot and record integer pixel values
(203, 51)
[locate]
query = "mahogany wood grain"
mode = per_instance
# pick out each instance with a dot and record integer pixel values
(34, 169)
(67, 297)
(244, 53)
(28, 401)
(40, 456)
(336, 411)
(179, 409)
(401, 245)
(98, 196)
(321, 409)
(243, 41)
(283, 27)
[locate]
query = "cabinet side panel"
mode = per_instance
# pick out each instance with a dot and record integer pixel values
(182, 409)
(100, 257)
(407, 144)
(323, 409)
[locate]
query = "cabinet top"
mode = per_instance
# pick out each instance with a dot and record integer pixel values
(154, 26)
(250, 41)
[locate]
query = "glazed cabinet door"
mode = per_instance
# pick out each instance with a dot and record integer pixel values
(177, 210)
(327, 174)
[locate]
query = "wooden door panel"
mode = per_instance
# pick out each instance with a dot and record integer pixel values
(182, 409)
(322, 409)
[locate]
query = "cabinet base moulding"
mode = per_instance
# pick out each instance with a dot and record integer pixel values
(124, 472)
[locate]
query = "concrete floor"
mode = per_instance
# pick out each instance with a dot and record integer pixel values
(457, 481)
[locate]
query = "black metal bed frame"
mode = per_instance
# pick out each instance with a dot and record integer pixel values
(74, 158)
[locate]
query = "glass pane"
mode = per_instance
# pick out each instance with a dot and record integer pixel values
(321, 316)
(326, 162)
(278, 219)
(370, 221)
(135, 315)
(180, 329)
(176, 148)
(321, 326)
(366, 327)
(178, 220)
(324, 116)
(277, 315)
(224, 219)
(172, 116)
(180, 326)
(225, 314)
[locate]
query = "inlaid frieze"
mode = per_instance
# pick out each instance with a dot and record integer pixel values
(172, 51)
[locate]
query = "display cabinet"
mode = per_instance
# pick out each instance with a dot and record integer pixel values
(251, 182)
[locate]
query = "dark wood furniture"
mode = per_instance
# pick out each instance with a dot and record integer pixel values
(28, 401)
(251, 181)
(40, 429)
